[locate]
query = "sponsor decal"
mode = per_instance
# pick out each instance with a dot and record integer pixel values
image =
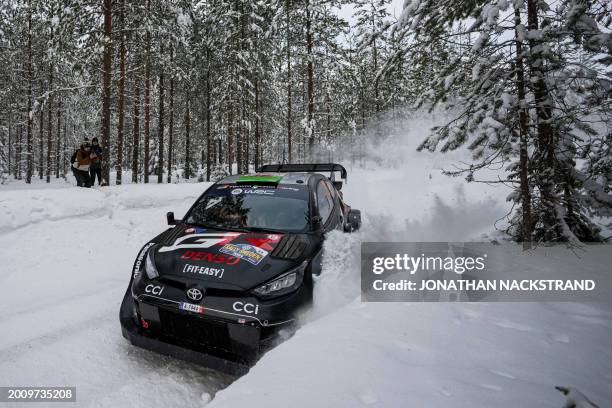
(205, 240)
(266, 178)
(257, 191)
(154, 289)
(195, 294)
(248, 308)
(196, 230)
(264, 242)
(203, 270)
(210, 257)
(247, 252)
(141, 256)
(191, 307)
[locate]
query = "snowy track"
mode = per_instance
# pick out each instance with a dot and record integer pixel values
(65, 263)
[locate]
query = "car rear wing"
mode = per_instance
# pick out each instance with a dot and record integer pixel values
(305, 168)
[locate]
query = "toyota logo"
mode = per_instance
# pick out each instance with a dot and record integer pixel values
(195, 294)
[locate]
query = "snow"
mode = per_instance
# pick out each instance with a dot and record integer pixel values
(435, 355)
(66, 255)
(352, 354)
(22, 207)
(480, 41)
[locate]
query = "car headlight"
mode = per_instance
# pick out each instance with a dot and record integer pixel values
(150, 267)
(286, 283)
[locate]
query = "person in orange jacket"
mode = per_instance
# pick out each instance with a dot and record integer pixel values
(81, 165)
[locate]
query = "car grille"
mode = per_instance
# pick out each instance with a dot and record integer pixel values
(203, 332)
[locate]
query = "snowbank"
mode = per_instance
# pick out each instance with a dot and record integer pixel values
(22, 207)
(436, 355)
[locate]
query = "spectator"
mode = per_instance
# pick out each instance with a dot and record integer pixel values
(81, 165)
(96, 162)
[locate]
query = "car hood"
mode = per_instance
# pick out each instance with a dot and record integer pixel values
(226, 259)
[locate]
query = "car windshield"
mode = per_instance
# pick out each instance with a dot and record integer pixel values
(273, 208)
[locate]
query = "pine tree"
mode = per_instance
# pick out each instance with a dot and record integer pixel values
(501, 116)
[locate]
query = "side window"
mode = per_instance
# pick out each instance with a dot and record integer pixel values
(335, 197)
(324, 201)
(331, 188)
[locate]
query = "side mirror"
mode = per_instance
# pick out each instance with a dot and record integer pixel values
(170, 218)
(353, 221)
(317, 222)
(338, 185)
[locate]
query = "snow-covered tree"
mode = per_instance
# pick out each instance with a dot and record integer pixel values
(507, 87)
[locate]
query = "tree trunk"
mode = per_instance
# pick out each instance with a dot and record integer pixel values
(289, 136)
(41, 137)
(58, 138)
(546, 145)
(246, 143)
(106, 89)
(135, 132)
(171, 120)
(10, 142)
(208, 136)
(527, 223)
(187, 141)
(310, 85)
(65, 134)
(49, 122)
(230, 140)
(257, 135)
(30, 158)
(147, 95)
(238, 130)
(121, 101)
(375, 58)
(19, 152)
(328, 120)
(160, 127)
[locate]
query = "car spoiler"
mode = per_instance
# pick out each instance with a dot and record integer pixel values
(304, 168)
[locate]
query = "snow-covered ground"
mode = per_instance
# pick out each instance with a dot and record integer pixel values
(65, 256)
(65, 259)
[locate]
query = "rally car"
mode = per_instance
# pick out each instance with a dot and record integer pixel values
(219, 286)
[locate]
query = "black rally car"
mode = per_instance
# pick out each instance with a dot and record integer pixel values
(218, 286)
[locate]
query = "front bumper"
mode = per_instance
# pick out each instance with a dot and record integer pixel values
(215, 336)
(133, 333)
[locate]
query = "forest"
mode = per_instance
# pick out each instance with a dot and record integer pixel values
(184, 89)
